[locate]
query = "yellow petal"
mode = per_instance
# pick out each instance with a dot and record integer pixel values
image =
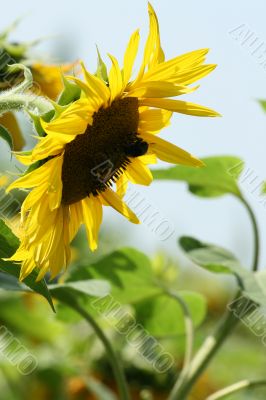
(73, 121)
(168, 69)
(158, 55)
(153, 53)
(21, 254)
(92, 216)
(148, 159)
(191, 75)
(138, 173)
(160, 89)
(75, 219)
(94, 88)
(34, 178)
(50, 146)
(50, 242)
(33, 197)
(110, 197)
(170, 153)
(130, 56)
(57, 261)
(115, 79)
(179, 106)
(153, 120)
(55, 184)
(24, 159)
(26, 268)
(97, 87)
(121, 185)
(43, 271)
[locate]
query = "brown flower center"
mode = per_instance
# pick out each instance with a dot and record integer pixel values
(95, 159)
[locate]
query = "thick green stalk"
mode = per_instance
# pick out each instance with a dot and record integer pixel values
(19, 101)
(255, 228)
(19, 97)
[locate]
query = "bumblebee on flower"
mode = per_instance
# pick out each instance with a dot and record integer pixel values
(108, 136)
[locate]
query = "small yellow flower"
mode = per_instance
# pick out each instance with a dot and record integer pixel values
(49, 78)
(107, 136)
(3, 180)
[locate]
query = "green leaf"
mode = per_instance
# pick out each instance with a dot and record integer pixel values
(218, 178)
(8, 241)
(34, 322)
(70, 93)
(263, 104)
(163, 316)
(101, 68)
(92, 287)
(9, 282)
(6, 135)
(210, 257)
(218, 260)
(8, 245)
(127, 270)
(37, 123)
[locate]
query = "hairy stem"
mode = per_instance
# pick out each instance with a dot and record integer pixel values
(19, 101)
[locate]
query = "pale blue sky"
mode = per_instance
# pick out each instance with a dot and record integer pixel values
(232, 90)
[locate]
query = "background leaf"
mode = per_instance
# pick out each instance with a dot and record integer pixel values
(6, 135)
(263, 104)
(218, 260)
(128, 271)
(163, 316)
(218, 178)
(92, 287)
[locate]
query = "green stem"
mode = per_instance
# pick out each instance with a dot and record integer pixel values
(213, 342)
(189, 341)
(255, 233)
(236, 387)
(205, 354)
(18, 101)
(19, 96)
(188, 327)
(69, 300)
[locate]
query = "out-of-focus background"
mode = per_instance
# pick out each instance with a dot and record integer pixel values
(235, 32)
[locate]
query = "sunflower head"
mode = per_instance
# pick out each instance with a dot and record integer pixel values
(92, 147)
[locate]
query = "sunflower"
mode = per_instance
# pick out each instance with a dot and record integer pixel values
(107, 136)
(47, 78)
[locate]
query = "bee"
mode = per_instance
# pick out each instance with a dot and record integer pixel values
(136, 149)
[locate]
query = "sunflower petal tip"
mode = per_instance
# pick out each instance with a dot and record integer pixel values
(201, 164)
